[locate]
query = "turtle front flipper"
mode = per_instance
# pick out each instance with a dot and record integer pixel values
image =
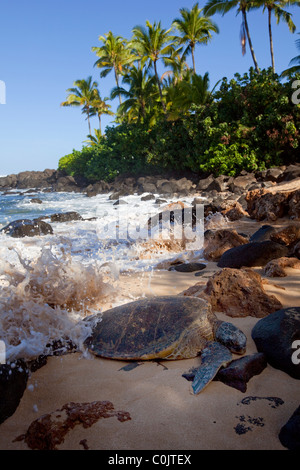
(213, 357)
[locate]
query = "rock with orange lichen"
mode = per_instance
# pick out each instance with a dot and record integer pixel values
(279, 201)
(236, 293)
(219, 241)
(275, 268)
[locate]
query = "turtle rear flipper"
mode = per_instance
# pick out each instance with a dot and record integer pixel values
(213, 357)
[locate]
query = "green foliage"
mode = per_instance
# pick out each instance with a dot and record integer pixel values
(250, 123)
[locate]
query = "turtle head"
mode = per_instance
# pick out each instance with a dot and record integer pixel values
(231, 337)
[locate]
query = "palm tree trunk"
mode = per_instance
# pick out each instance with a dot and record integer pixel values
(117, 82)
(249, 40)
(88, 118)
(159, 88)
(99, 117)
(193, 57)
(271, 38)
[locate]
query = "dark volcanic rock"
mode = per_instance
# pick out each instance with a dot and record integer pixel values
(13, 381)
(289, 435)
(252, 254)
(36, 200)
(65, 217)
(188, 267)
(27, 228)
(238, 373)
(275, 336)
(263, 233)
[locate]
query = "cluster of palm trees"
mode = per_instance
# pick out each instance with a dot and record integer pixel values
(148, 94)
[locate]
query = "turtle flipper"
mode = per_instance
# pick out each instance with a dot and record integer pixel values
(213, 356)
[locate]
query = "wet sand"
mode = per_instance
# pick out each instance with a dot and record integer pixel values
(164, 413)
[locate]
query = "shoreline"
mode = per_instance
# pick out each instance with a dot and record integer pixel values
(220, 418)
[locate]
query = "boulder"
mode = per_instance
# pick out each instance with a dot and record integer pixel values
(65, 217)
(233, 211)
(263, 233)
(27, 228)
(289, 434)
(238, 373)
(241, 183)
(279, 201)
(252, 254)
(275, 268)
(13, 382)
(287, 236)
(205, 183)
(237, 293)
(187, 267)
(275, 336)
(36, 200)
(149, 197)
(218, 242)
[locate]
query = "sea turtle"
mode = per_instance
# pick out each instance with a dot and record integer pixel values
(168, 328)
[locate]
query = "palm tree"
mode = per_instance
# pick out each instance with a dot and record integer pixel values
(224, 6)
(114, 55)
(294, 63)
(100, 107)
(192, 90)
(82, 94)
(276, 7)
(153, 43)
(194, 29)
(94, 139)
(141, 96)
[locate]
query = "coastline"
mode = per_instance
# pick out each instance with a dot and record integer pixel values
(221, 417)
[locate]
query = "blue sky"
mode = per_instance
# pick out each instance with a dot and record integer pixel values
(46, 45)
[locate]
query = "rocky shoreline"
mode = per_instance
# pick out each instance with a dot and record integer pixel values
(233, 288)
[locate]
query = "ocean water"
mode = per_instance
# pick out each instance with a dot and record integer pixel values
(49, 284)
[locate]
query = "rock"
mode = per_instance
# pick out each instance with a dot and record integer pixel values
(276, 202)
(234, 211)
(160, 201)
(275, 268)
(205, 183)
(149, 197)
(120, 202)
(36, 200)
(149, 188)
(238, 373)
(27, 228)
(188, 267)
(275, 336)
(237, 293)
(241, 183)
(289, 434)
(296, 250)
(273, 174)
(263, 234)
(218, 242)
(65, 217)
(13, 382)
(291, 172)
(294, 206)
(252, 254)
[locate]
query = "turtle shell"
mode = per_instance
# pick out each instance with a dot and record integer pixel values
(169, 327)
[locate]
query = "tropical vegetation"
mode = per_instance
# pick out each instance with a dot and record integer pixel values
(178, 120)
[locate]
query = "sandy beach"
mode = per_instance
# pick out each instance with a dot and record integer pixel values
(164, 414)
